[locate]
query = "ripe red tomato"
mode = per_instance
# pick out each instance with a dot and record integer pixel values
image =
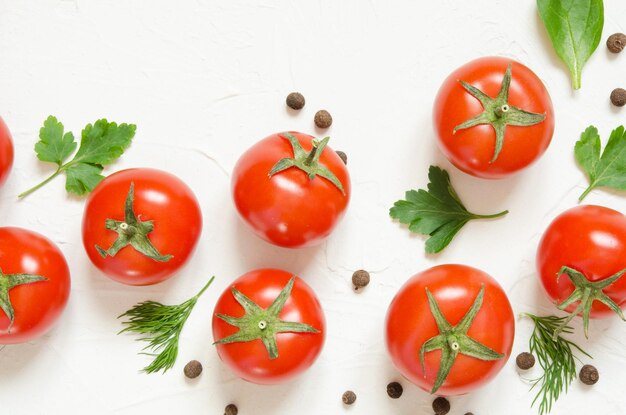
(160, 200)
(473, 149)
(295, 347)
(411, 324)
(36, 304)
(591, 240)
(289, 208)
(6, 152)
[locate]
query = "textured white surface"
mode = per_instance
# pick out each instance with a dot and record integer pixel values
(203, 80)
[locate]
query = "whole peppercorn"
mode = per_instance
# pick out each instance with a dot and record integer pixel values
(231, 409)
(360, 279)
(342, 156)
(394, 390)
(295, 101)
(323, 119)
(348, 397)
(469, 413)
(616, 42)
(525, 360)
(193, 369)
(589, 375)
(618, 97)
(441, 406)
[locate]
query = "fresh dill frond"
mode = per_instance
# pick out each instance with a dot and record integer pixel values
(160, 325)
(556, 358)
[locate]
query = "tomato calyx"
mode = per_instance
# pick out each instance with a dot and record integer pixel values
(498, 112)
(132, 231)
(586, 292)
(453, 340)
(307, 162)
(258, 323)
(8, 281)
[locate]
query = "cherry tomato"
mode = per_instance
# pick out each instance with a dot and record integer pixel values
(473, 149)
(411, 324)
(160, 199)
(591, 240)
(289, 208)
(250, 358)
(6, 152)
(38, 304)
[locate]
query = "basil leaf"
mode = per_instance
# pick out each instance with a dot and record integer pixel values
(575, 29)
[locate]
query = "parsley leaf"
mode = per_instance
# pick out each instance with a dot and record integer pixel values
(101, 143)
(437, 212)
(608, 169)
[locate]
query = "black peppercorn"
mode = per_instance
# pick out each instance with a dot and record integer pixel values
(441, 406)
(193, 369)
(323, 119)
(295, 101)
(616, 42)
(394, 390)
(231, 409)
(525, 360)
(618, 97)
(589, 375)
(360, 278)
(342, 156)
(348, 397)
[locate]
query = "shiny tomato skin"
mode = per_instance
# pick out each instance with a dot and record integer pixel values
(592, 240)
(38, 305)
(159, 196)
(288, 209)
(472, 149)
(6, 152)
(296, 351)
(410, 323)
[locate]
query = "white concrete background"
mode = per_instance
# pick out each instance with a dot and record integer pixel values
(203, 80)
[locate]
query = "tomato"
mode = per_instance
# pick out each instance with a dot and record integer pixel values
(411, 325)
(284, 340)
(144, 256)
(6, 152)
(289, 208)
(473, 149)
(588, 239)
(38, 303)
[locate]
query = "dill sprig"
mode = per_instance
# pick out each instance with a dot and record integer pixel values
(555, 356)
(160, 325)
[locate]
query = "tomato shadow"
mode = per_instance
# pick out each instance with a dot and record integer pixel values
(15, 357)
(256, 253)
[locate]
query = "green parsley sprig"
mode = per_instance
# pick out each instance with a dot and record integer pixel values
(160, 325)
(608, 169)
(437, 212)
(101, 143)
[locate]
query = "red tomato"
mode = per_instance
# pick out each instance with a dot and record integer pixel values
(159, 197)
(6, 152)
(592, 240)
(410, 324)
(296, 352)
(472, 149)
(288, 209)
(36, 305)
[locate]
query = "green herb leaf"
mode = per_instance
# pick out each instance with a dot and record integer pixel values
(575, 29)
(101, 143)
(437, 212)
(54, 146)
(608, 169)
(555, 355)
(160, 325)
